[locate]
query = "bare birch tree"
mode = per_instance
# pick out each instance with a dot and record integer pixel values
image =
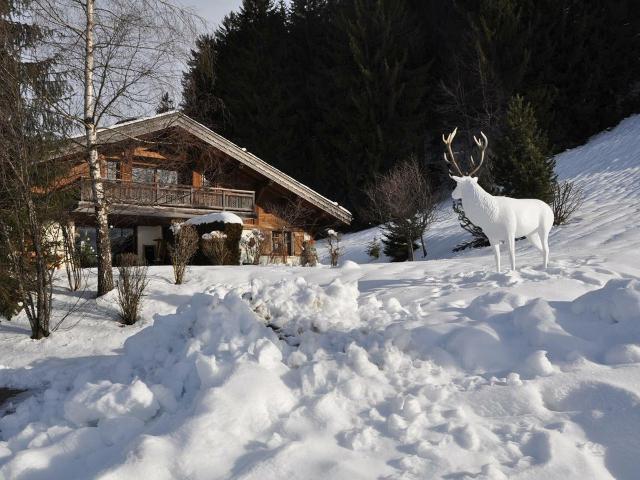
(122, 55)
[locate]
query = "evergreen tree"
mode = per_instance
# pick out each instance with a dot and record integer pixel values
(394, 243)
(522, 161)
(251, 61)
(200, 98)
(29, 133)
(312, 31)
(376, 116)
(166, 104)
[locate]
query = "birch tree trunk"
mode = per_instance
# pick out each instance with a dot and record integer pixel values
(103, 242)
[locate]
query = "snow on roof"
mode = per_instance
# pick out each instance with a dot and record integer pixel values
(224, 217)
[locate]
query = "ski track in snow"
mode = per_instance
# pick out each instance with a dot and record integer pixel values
(438, 369)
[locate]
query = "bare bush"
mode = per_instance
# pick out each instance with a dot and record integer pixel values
(184, 247)
(402, 200)
(215, 248)
(132, 283)
(333, 244)
(567, 198)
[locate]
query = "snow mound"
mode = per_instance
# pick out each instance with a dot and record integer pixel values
(296, 306)
(617, 301)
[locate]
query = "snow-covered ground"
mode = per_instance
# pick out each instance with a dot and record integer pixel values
(434, 369)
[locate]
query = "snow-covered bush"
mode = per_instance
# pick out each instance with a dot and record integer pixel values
(233, 235)
(131, 285)
(214, 247)
(182, 250)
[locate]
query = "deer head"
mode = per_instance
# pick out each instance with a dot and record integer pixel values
(481, 143)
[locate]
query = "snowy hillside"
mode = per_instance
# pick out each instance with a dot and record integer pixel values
(433, 369)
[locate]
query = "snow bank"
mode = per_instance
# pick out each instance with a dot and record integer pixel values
(439, 369)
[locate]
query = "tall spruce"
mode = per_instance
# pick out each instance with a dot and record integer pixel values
(523, 166)
(251, 53)
(376, 116)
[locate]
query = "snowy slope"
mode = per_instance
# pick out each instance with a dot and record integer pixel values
(435, 369)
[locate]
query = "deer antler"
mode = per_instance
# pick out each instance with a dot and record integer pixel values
(482, 144)
(452, 161)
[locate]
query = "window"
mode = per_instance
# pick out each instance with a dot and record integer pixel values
(123, 240)
(281, 244)
(142, 175)
(112, 170)
(152, 175)
(167, 177)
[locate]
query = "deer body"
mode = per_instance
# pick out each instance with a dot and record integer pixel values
(502, 219)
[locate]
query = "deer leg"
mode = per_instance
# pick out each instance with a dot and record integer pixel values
(496, 254)
(511, 241)
(545, 249)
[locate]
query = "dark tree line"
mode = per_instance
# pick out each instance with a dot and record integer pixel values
(335, 92)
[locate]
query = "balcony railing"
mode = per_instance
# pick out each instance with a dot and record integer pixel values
(134, 193)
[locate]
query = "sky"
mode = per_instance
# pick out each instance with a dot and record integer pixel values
(213, 11)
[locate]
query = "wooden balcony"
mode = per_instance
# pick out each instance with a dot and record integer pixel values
(180, 196)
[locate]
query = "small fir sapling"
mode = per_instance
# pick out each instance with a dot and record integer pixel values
(373, 248)
(333, 243)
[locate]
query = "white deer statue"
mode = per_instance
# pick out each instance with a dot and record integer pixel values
(502, 219)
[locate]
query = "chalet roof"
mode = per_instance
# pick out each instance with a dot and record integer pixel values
(134, 128)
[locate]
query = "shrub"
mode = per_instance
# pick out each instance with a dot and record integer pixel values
(335, 250)
(373, 248)
(214, 247)
(233, 232)
(309, 255)
(131, 285)
(567, 198)
(182, 250)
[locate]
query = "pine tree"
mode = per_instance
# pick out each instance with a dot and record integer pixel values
(395, 243)
(376, 116)
(166, 104)
(200, 98)
(251, 62)
(522, 161)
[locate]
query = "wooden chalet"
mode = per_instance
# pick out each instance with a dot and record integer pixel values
(169, 168)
